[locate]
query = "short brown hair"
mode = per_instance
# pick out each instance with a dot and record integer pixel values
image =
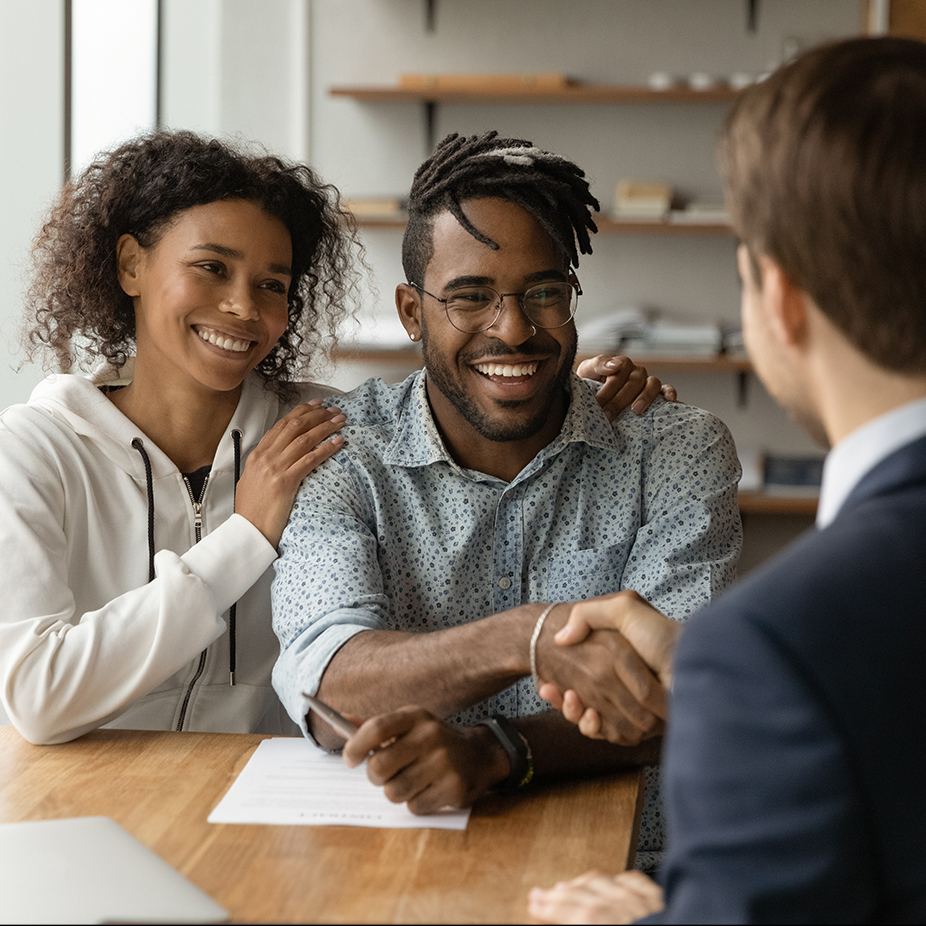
(825, 171)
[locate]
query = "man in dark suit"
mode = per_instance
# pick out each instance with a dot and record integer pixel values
(795, 761)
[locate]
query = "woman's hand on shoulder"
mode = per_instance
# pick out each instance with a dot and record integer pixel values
(297, 444)
(626, 385)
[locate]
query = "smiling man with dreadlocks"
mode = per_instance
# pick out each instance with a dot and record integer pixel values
(419, 574)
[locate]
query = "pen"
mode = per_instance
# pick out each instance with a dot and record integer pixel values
(341, 724)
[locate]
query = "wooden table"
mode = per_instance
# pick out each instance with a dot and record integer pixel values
(162, 786)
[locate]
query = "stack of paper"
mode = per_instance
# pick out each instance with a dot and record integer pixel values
(701, 212)
(637, 200)
(606, 332)
(640, 334)
(792, 475)
(664, 339)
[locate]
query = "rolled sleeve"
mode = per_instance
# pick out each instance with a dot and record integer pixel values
(328, 584)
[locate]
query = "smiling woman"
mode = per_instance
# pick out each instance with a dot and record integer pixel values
(142, 504)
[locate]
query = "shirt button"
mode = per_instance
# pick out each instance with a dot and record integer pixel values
(504, 582)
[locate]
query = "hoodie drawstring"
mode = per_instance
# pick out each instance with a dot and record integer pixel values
(232, 646)
(140, 447)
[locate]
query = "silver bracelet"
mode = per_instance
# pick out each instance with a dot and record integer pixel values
(535, 636)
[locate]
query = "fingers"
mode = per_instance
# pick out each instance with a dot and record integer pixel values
(590, 725)
(606, 674)
(551, 693)
(601, 367)
(625, 385)
(606, 612)
(652, 387)
(652, 634)
(572, 708)
(634, 692)
(378, 731)
(597, 898)
(415, 758)
(299, 442)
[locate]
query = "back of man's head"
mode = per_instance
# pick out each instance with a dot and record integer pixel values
(549, 187)
(825, 168)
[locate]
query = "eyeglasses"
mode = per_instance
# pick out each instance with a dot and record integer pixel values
(475, 308)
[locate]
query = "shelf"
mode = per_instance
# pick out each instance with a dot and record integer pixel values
(409, 355)
(685, 364)
(760, 503)
(575, 93)
(412, 356)
(570, 94)
(606, 226)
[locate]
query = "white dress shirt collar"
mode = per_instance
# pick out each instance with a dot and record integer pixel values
(859, 452)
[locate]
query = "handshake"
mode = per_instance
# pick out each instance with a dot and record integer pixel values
(606, 663)
(608, 668)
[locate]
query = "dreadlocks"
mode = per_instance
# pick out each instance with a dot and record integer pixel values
(553, 190)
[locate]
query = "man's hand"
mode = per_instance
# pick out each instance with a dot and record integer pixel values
(611, 678)
(597, 898)
(626, 385)
(650, 636)
(425, 763)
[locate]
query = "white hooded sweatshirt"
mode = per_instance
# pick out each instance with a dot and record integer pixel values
(86, 639)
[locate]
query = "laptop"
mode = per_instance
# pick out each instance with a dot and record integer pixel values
(90, 870)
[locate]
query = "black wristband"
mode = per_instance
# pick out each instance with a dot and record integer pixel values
(517, 749)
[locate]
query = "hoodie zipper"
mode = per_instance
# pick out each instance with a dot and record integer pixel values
(198, 527)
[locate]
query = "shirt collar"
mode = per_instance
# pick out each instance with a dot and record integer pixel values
(417, 441)
(860, 451)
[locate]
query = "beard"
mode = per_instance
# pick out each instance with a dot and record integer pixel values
(486, 425)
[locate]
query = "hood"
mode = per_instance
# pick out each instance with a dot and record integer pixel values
(77, 401)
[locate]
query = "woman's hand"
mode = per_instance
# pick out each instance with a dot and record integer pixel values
(597, 898)
(286, 454)
(626, 385)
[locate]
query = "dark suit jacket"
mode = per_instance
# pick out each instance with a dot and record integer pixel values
(795, 764)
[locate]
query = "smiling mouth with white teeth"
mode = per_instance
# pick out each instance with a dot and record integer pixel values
(507, 370)
(219, 340)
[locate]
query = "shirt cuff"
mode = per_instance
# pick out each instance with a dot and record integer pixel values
(230, 559)
(300, 668)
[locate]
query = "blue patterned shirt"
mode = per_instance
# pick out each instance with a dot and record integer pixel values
(392, 534)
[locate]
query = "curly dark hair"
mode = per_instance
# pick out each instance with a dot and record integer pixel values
(553, 190)
(138, 188)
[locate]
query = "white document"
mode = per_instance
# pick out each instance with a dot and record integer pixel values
(288, 780)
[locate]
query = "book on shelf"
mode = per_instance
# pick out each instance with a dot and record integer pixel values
(486, 83)
(642, 332)
(706, 213)
(792, 475)
(648, 333)
(638, 200)
(375, 207)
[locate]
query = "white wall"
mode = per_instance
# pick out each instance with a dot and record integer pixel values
(31, 160)
(239, 68)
